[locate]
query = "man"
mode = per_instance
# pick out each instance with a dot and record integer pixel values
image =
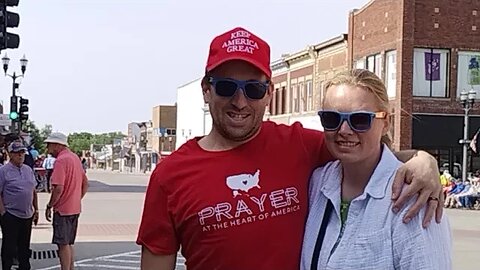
(18, 207)
(30, 156)
(48, 166)
(69, 186)
(238, 197)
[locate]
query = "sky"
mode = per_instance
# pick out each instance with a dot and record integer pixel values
(97, 65)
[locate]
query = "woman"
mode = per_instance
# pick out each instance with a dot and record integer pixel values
(351, 196)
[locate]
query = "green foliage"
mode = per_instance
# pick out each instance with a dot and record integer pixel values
(38, 135)
(77, 141)
(82, 141)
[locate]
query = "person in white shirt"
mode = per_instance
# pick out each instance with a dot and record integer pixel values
(48, 164)
(350, 223)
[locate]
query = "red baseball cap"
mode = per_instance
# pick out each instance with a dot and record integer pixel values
(239, 44)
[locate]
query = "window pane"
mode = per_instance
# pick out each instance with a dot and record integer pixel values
(360, 64)
(391, 73)
(371, 63)
(468, 72)
(294, 97)
(378, 65)
(430, 73)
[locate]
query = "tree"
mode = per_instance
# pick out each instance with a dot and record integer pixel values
(79, 142)
(38, 136)
(46, 131)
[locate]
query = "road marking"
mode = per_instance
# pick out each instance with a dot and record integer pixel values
(108, 266)
(102, 261)
(120, 261)
(132, 255)
(78, 263)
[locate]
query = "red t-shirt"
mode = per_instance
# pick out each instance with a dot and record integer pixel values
(243, 208)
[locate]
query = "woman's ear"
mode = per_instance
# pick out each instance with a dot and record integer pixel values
(387, 123)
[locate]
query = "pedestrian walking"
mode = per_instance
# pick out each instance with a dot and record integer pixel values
(69, 186)
(18, 207)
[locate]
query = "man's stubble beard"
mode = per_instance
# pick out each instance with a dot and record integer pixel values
(223, 130)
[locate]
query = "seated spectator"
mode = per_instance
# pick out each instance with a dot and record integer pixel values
(445, 178)
(469, 190)
(450, 199)
(468, 201)
(449, 187)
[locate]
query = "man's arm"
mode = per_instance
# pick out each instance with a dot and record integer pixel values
(35, 201)
(150, 261)
(35, 208)
(2, 206)
(421, 174)
(84, 185)
(2, 186)
(406, 155)
(157, 234)
(56, 192)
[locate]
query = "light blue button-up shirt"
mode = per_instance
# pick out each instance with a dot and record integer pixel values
(374, 237)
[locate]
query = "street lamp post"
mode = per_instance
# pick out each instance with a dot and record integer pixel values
(467, 99)
(14, 76)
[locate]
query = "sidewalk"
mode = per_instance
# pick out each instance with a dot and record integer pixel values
(101, 171)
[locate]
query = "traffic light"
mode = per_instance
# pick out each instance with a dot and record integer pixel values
(8, 19)
(13, 108)
(23, 110)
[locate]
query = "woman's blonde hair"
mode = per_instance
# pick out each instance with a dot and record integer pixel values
(366, 80)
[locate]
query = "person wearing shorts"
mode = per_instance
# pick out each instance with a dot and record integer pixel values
(69, 186)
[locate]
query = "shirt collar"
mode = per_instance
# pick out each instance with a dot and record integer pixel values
(378, 183)
(64, 151)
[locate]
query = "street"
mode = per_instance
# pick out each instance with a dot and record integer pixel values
(107, 227)
(111, 213)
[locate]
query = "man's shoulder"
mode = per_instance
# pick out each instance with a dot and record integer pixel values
(25, 167)
(67, 155)
(178, 157)
(294, 129)
(186, 157)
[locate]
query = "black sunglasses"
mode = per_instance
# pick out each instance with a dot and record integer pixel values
(359, 121)
(226, 87)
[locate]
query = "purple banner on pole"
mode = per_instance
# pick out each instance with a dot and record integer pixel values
(432, 66)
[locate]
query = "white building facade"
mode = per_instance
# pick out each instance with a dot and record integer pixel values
(193, 116)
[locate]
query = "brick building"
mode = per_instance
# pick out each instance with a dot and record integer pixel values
(298, 81)
(425, 51)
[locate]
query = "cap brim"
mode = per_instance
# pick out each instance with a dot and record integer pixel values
(246, 59)
(19, 150)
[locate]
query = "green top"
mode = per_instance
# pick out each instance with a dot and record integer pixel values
(344, 205)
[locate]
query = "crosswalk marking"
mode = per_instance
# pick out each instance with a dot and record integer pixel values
(132, 255)
(97, 266)
(122, 261)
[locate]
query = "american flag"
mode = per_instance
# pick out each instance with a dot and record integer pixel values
(473, 142)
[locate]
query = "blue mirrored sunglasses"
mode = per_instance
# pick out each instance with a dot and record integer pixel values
(359, 121)
(226, 87)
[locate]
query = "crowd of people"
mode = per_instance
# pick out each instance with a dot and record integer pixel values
(461, 194)
(19, 209)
